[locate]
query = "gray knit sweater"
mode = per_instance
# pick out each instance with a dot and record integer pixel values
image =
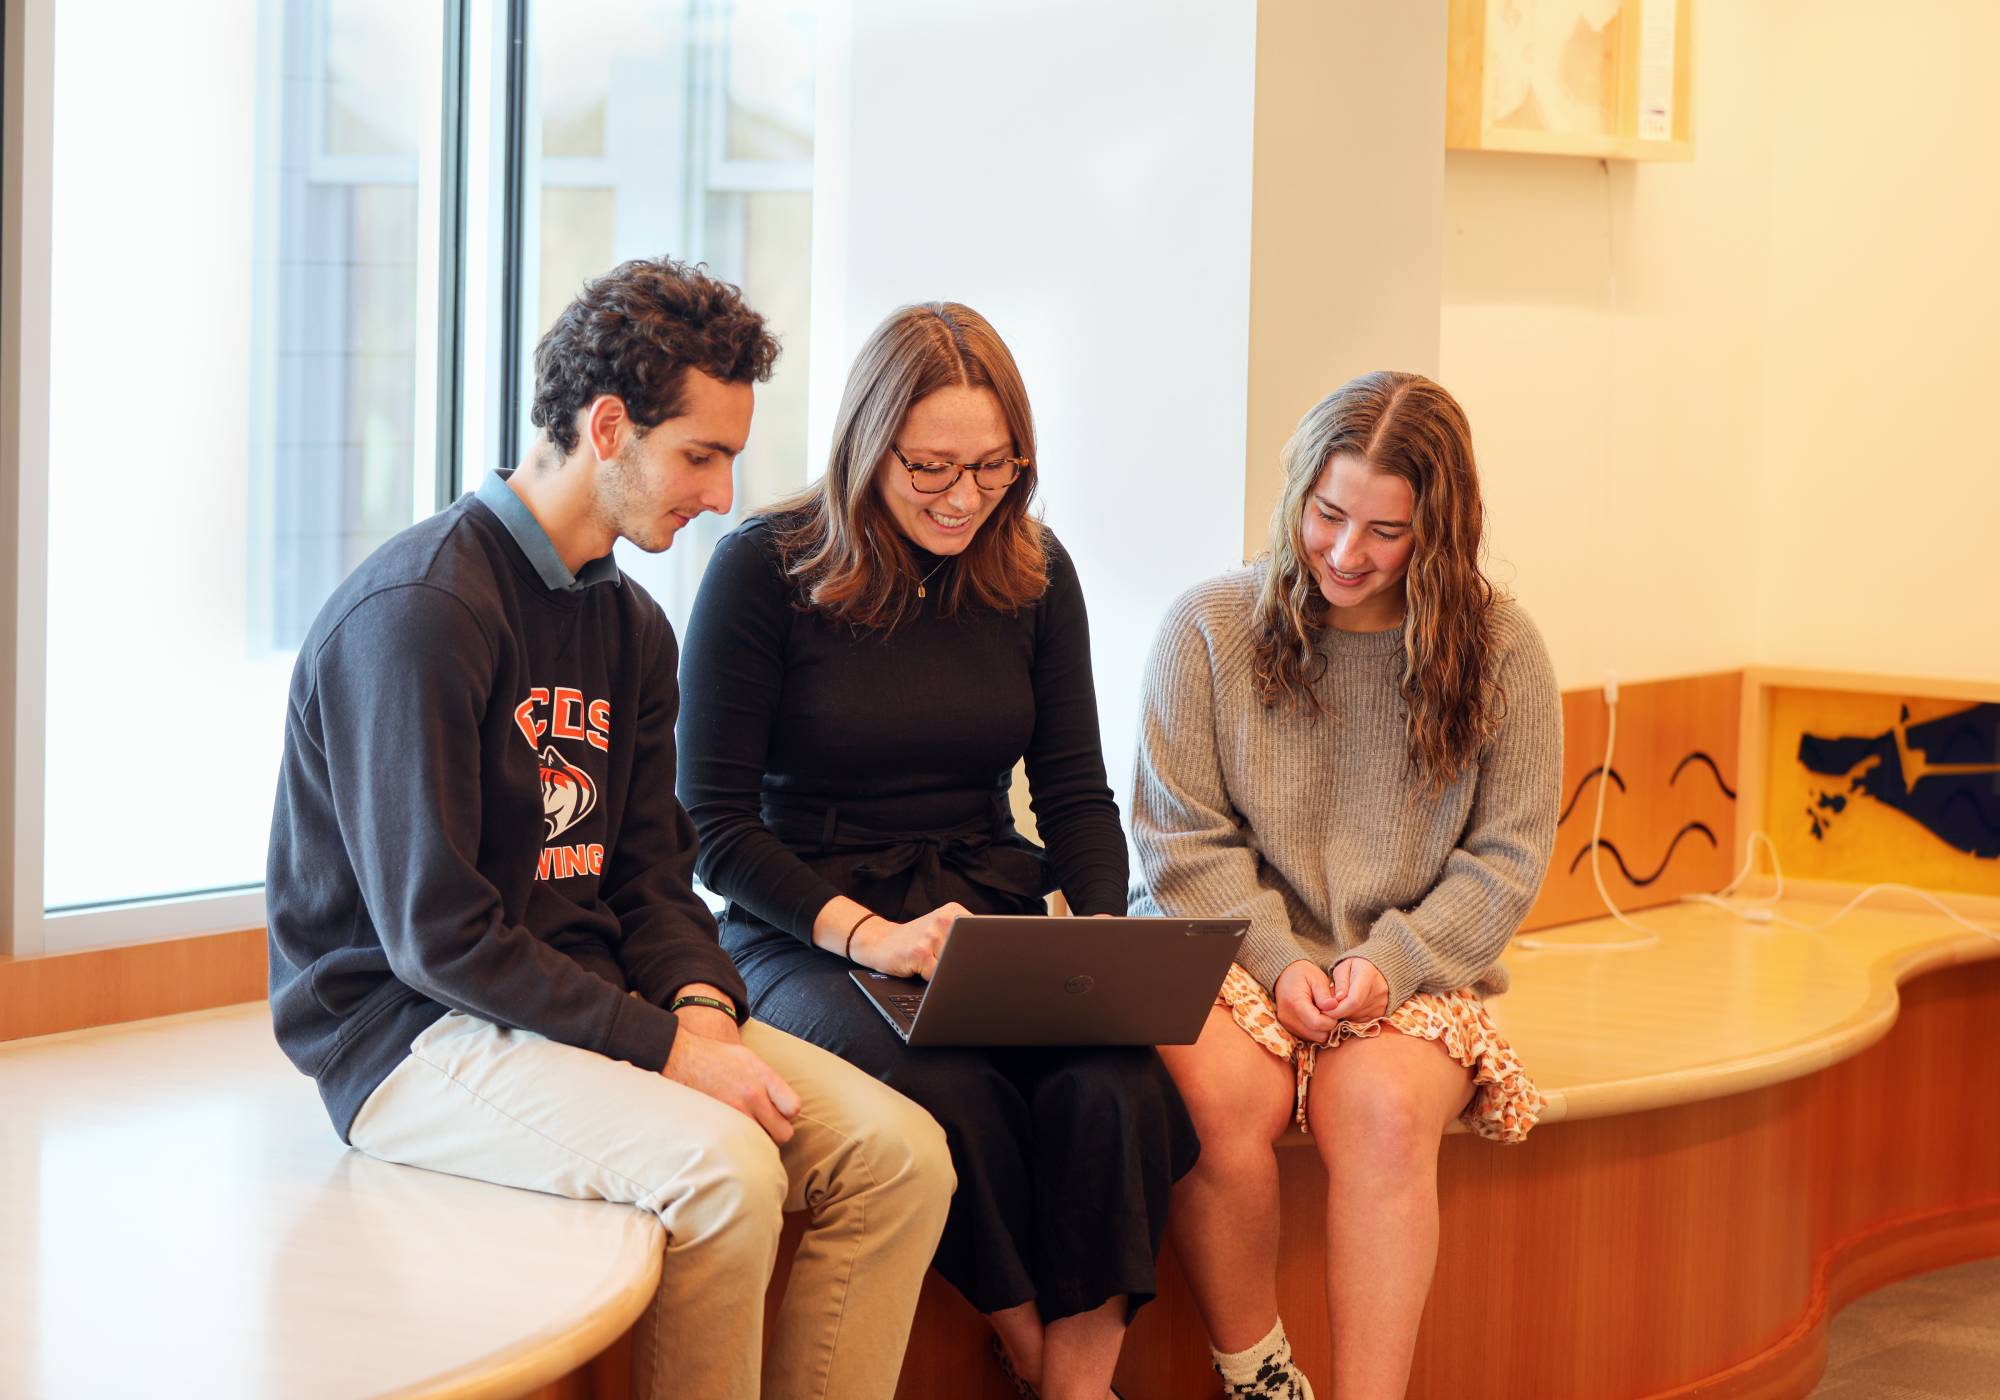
(1312, 829)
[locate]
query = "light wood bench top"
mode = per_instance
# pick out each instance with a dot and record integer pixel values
(1718, 1006)
(177, 1217)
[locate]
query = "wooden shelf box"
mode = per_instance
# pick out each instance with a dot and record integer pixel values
(1607, 79)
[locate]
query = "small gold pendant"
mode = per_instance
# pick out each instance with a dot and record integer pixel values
(921, 593)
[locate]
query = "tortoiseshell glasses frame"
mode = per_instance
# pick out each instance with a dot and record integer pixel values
(935, 478)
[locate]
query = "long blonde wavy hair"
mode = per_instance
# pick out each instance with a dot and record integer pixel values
(837, 539)
(1409, 427)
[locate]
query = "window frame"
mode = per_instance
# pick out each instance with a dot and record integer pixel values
(27, 72)
(482, 343)
(25, 258)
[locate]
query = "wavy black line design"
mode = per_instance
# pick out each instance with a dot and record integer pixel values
(1642, 881)
(1702, 756)
(1581, 784)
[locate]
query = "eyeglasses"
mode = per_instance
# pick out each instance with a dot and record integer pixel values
(933, 478)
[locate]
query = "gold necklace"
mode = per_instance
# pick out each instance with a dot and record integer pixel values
(929, 576)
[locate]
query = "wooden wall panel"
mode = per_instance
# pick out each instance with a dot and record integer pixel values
(1670, 810)
(101, 986)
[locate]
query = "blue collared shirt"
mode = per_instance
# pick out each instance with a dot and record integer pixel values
(497, 496)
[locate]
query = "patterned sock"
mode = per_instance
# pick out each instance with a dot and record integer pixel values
(1264, 1371)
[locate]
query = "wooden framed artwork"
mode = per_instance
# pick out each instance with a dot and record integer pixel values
(1868, 779)
(1611, 79)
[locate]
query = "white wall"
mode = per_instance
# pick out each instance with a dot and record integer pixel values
(1347, 254)
(1604, 326)
(1735, 411)
(1878, 503)
(1080, 174)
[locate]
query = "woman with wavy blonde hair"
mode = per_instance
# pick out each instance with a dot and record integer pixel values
(866, 664)
(1356, 745)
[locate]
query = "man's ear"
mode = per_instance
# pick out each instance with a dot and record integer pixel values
(604, 423)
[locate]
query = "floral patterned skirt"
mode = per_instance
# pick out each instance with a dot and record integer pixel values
(1505, 1103)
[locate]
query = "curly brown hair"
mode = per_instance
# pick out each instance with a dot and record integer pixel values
(1409, 427)
(634, 333)
(837, 539)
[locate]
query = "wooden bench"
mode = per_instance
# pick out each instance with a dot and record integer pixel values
(179, 1219)
(1747, 1126)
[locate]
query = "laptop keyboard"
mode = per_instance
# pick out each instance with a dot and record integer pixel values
(905, 1002)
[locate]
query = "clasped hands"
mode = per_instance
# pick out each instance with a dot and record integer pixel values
(1311, 1003)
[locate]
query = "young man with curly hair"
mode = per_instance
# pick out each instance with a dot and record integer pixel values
(485, 944)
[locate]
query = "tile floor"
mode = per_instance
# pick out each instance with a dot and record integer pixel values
(1933, 1337)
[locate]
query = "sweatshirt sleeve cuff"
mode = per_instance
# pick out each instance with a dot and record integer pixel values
(1266, 955)
(1100, 896)
(642, 1034)
(713, 966)
(1400, 966)
(800, 901)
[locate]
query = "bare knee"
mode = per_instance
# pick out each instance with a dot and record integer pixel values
(1237, 1150)
(1237, 1114)
(1381, 1126)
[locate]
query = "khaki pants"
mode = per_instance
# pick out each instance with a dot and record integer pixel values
(870, 1166)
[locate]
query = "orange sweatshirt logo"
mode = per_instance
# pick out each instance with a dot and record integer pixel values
(569, 794)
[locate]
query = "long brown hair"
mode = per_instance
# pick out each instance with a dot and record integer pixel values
(1404, 425)
(838, 540)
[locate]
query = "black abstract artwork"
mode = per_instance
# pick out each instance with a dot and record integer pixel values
(1944, 773)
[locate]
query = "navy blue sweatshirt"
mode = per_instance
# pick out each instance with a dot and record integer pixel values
(476, 812)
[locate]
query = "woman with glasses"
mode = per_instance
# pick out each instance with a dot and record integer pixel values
(865, 665)
(1356, 745)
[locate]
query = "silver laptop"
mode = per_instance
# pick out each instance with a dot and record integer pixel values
(1028, 980)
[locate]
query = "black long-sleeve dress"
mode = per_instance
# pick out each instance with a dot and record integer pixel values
(817, 760)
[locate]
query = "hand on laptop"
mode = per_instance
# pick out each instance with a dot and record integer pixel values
(736, 1075)
(906, 950)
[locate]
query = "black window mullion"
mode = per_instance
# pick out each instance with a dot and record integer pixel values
(515, 160)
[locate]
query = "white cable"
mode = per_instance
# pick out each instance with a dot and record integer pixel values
(1749, 863)
(1762, 910)
(1543, 945)
(1925, 895)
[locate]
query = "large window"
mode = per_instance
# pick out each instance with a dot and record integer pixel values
(258, 226)
(691, 135)
(237, 336)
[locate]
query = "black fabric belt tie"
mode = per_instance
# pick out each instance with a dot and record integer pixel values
(866, 864)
